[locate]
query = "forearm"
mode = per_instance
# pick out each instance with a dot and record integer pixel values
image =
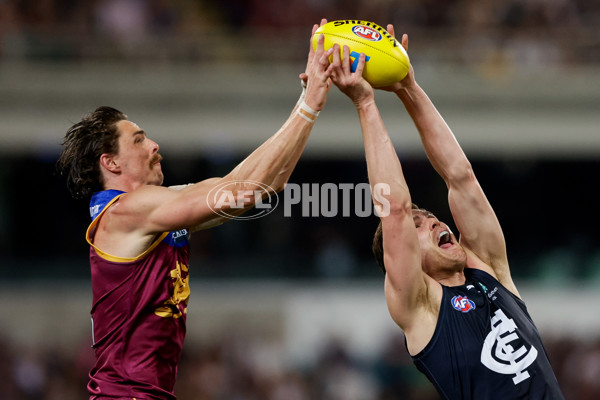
(404, 277)
(273, 162)
(284, 175)
(441, 146)
(383, 164)
(286, 170)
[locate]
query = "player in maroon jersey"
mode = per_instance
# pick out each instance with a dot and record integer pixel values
(139, 233)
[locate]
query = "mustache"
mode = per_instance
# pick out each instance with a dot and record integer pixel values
(155, 159)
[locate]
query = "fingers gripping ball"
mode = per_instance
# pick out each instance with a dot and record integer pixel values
(386, 59)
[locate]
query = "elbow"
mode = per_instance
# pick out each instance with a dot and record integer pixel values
(460, 174)
(401, 207)
(258, 192)
(391, 199)
(276, 187)
(394, 207)
(238, 194)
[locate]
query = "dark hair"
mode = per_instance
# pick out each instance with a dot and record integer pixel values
(378, 242)
(83, 145)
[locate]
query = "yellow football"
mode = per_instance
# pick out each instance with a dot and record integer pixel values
(386, 59)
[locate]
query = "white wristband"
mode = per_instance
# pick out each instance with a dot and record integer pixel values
(306, 112)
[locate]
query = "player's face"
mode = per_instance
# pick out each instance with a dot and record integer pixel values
(439, 247)
(138, 155)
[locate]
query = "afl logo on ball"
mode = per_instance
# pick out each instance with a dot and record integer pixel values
(463, 304)
(367, 33)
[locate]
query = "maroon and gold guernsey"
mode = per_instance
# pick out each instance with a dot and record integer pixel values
(138, 313)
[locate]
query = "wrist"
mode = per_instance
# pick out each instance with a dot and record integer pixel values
(406, 90)
(307, 112)
(303, 94)
(365, 105)
(364, 102)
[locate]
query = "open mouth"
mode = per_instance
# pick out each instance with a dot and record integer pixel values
(444, 240)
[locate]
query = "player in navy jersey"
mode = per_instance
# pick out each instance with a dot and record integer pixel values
(139, 233)
(465, 324)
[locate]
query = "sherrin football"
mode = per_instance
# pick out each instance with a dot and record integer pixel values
(386, 60)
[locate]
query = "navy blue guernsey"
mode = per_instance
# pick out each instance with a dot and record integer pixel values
(485, 346)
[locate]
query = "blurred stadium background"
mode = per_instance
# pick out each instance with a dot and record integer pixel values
(292, 308)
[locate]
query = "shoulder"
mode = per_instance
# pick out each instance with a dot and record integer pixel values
(490, 281)
(142, 200)
(130, 211)
(501, 275)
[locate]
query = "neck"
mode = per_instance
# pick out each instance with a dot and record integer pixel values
(449, 277)
(120, 184)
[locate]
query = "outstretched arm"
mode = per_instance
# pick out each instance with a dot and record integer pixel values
(148, 210)
(287, 169)
(410, 293)
(480, 231)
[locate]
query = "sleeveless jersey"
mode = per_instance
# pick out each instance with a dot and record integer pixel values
(138, 313)
(486, 346)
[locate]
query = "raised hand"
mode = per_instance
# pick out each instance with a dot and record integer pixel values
(317, 75)
(409, 79)
(352, 84)
(311, 52)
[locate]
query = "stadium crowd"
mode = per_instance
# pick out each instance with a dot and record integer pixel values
(239, 367)
(530, 32)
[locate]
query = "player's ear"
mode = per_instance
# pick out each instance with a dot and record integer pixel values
(107, 161)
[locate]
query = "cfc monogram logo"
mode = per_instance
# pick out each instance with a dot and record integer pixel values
(499, 355)
(176, 306)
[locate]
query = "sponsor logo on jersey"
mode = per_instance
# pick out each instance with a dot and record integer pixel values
(367, 33)
(94, 210)
(485, 289)
(492, 294)
(463, 304)
(178, 238)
